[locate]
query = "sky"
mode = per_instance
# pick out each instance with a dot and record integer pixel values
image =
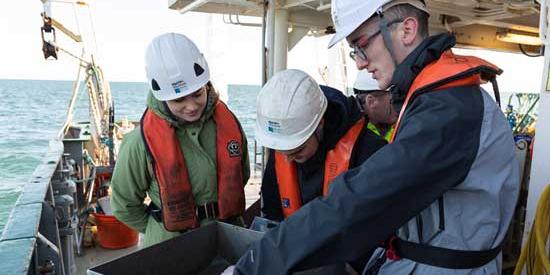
(123, 28)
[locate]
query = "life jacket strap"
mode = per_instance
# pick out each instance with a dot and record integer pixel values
(398, 248)
(208, 210)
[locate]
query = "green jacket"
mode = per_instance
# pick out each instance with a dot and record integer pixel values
(387, 134)
(132, 178)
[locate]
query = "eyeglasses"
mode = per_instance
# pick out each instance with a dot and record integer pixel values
(361, 45)
(359, 48)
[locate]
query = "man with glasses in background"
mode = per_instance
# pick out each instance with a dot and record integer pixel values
(376, 105)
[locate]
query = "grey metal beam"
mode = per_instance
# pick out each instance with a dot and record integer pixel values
(23, 222)
(309, 18)
(16, 256)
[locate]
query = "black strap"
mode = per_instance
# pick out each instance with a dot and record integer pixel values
(208, 210)
(386, 36)
(444, 257)
(375, 267)
(155, 212)
(496, 91)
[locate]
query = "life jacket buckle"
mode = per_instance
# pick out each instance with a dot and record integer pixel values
(207, 211)
(391, 250)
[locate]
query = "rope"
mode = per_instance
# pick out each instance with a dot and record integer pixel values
(534, 252)
(81, 59)
(72, 102)
(100, 105)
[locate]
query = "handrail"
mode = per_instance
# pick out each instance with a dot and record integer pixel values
(27, 220)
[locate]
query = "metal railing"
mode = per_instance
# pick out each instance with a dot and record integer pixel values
(37, 235)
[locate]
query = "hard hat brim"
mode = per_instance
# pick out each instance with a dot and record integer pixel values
(340, 35)
(351, 19)
(287, 142)
(162, 95)
(280, 142)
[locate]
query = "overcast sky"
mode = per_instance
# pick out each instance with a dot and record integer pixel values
(123, 29)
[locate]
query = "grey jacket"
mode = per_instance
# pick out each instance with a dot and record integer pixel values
(452, 144)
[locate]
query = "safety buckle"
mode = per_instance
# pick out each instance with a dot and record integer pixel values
(391, 251)
(208, 209)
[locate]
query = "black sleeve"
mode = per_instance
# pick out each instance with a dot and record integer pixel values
(434, 150)
(367, 144)
(271, 202)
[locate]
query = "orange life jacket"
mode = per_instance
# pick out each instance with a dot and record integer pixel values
(336, 162)
(177, 202)
(448, 71)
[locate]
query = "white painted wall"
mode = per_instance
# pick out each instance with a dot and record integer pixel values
(540, 168)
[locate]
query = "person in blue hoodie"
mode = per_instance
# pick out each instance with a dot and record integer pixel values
(314, 133)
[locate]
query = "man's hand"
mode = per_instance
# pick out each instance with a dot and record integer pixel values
(229, 270)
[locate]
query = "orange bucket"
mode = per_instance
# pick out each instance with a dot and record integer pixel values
(113, 234)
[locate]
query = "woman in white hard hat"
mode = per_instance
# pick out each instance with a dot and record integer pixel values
(376, 104)
(190, 154)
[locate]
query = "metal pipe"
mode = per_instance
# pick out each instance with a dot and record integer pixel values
(292, 4)
(270, 37)
(238, 22)
(194, 5)
(263, 48)
(281, 40)
(323, 7)
(83, 217)
(76, 89)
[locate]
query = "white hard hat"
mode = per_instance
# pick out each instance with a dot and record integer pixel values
(175, 67)
(289, 109)
(348, 15)
(365, 82)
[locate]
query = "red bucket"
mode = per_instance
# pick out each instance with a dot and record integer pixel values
(113, 234)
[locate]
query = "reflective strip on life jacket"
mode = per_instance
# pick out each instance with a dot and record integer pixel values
(177, 202)
(336, 162)
(448, 71)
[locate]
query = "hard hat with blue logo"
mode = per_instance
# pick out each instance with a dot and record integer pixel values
(290, 106)
(175, 67)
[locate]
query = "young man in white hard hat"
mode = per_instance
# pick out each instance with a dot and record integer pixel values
(450, 177)
(188, 156)
(314, 133)
(376, 104)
